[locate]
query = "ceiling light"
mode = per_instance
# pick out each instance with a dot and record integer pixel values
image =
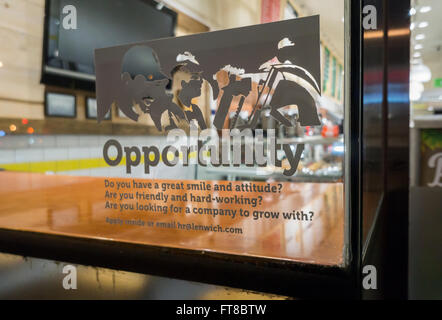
(420, 73)
(417, 55)
(412, 11)
(418, 47)
(420, 37)
(425, 9)
(1, 64)
(412, 26)
(423, 24)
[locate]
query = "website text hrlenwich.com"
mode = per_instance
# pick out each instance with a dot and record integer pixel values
(178, 226)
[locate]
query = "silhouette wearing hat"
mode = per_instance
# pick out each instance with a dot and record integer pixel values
(190, 90)
(287, 92)
(144, 84)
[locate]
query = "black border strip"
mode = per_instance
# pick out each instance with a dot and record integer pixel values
(265, 275)
(355, 136)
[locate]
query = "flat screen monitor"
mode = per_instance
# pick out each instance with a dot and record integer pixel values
(68, 57)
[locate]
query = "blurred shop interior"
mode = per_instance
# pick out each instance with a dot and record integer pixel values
(53, 122)
(425, 90)
(425, 150)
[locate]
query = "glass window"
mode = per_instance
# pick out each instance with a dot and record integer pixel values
(230, 141)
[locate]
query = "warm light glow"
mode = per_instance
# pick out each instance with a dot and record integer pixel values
(24, 121)
(1, 64)
(398, 32)
(30, 130)
(391, 33)
(12, 127)
(373, 34)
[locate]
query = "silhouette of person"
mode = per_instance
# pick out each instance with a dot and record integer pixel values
(144, 84)
(289, 92)
(157, 101)
(190, 90)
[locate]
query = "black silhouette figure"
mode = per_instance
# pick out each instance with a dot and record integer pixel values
(235, 87)
(287, 92)
(190, 90)
(157, 102)
(145, 85)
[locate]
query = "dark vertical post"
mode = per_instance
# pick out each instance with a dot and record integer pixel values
(385, 145)
(397, 151)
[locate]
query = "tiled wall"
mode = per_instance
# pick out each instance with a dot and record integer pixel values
(80, 155)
